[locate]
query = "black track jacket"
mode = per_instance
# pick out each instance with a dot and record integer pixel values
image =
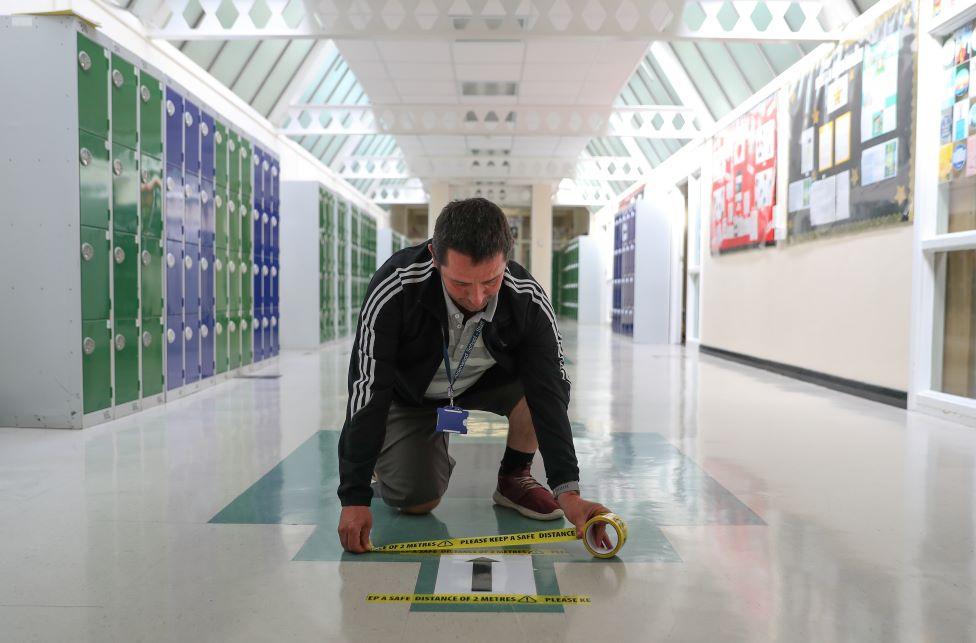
(398, 347)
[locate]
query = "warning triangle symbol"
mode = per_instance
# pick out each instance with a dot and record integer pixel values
(527, 599)
(444, 543)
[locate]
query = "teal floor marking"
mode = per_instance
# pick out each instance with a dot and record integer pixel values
(640, 476)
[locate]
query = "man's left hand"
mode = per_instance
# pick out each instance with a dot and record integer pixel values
(579, 511)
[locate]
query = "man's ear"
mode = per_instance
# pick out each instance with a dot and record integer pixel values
(433, 259)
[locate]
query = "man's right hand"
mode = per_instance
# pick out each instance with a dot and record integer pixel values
(354, 526)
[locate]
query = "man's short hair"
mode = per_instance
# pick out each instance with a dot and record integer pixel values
(474, 227)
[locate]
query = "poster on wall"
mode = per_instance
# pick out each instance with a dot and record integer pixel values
(744, 181)
(957, 151)
(851, 132)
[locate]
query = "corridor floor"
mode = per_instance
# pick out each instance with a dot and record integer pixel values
(759, 507)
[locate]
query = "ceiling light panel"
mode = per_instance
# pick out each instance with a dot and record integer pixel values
(489, 88)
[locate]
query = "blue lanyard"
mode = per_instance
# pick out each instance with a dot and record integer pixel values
(464, 360)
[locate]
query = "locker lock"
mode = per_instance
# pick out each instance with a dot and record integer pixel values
(119, 255)
(265, 166)
(204, 129)
(188, 119)
(256, 269)
(218, 138)
(243, 153)
(243, 324)
(145, 177)
(204, 331)
(264, 322)
(204, 264)
(231, 206)
(188, 189)
(188, 333)
(274, 171)
(265, 218)
(87, 251)
(255, 215)
(88, 345)
(264, 270)
(117, 167)
(85, 156)
(219, 328)
(230, 144)
(256, 162)
(231, 267)
(218, 265)
(170, 336)
(274, 222)
(84, 60)
(146, 257)
(146, 339)
(117, 78)
(144, 93)
(188, 262)
(204, 198)
(243, 210)
(170, 183)
(120, 342)
(170, 107)
(274, 322)
(218, 201)
(170, 260)
(274, 271)
(232, 326)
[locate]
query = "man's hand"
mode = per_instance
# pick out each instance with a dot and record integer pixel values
(579, 511)
(354, 526)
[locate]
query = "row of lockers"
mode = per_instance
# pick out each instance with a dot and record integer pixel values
(624, 257)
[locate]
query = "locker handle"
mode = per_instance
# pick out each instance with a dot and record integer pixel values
(204, 264)
(204, 130)
(231, 206)
(146, 339)
(170, 183)
(120, 342)
(264, 322)
(188, 119)
(265, 218)
(145, 94)
(231, 145)
(84, 60)
(117, 167)
(145, 177)
(170, 108)
(255, 215)
(264, 271)
(204, 331)
(170, 260)
(86, 156)
(218, 265)
(146, 257)
(88, 345)
(219, 328)
(231, 267)
(274, 271)
(188, 262)
(232, 326)
(274, 171)
(265, 166)
(119, 255)
(243, 324)
(274, 322)
(170, 335)
(117, 78)
(87, 251)
(256, 269)
(188, 333)
(218, 138)
(203, 197)
(188, 190)
(218, 201)
(243, 210)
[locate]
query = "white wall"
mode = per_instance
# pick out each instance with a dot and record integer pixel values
(300, 265)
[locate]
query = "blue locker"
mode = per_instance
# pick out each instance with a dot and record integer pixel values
(258, 290)
(175, 203)
(208, 217)
(266, 332)
(207, 345)
(275, 247)
(275, 181)
(275, 345)
(174, 278)
(192, 217)
(191, 283)
(191, 348)
(275, 292)
(174, 128)
(174, 352)
(258, 341)
(191, 138)
(207, 283)
(258, 178)
(266, 275)
(268, 180)
(207, 151)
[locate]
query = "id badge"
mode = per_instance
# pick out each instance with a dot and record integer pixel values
(452, 419)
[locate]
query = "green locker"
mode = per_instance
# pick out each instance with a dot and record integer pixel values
(221, 176)
(220, 213)
(220, 277)
(234, 279)
(125, 189)
(247, 172)
(247, 225)
(125, 256)
(151, 116)
(151, 295)
(151, 191)
(94, 176)
(153, 376)
(247, 286)
(234, 224)
(92, 88)
(126, 347)
(96, 365)
(125, 106)
(247, 339)
(220, 343)
(234, 163)
(234, 342)
(95, 250)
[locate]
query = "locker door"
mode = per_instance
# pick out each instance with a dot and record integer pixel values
(191, 348)
(207, 282)
(247, 339)
(275, 281)
(125, 345)
(257, 291)
(257, 341)
(266, 286)
(175, 203)
(151, 190)
(247, 226)
(234, 225)
(153, 377)
(150, 116)
(96, 365)
(246, 171)
(266, 334)
(257, 173)
(234, 281)
(192, 213)
(221, 224)
(92, 88)
(275, 347)
(191, 279)
(221, 177)
(151, 289)
(174, 352)
(191, 138)
(95, 251)
(276, 182)
(207, 345)
(266, 168)
(274, 235)
(234, 163)
(262, 236)
(174, 129)
(247, 286)
(233, 342)
(174, 279)
(125, 189)
(95, 180)
(208, 223)
(207, 151)
(221, 294)
(221, 344)
(125, 276)
(125, 105)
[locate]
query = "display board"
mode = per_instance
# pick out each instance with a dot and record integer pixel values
(957, 151)
(744, 180)
(852, 132)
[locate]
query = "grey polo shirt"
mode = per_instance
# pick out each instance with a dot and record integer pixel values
(460, 334)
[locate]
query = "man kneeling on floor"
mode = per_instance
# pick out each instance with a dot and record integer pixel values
(450, 326)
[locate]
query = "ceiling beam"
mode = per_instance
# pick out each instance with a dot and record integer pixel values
(301, 79)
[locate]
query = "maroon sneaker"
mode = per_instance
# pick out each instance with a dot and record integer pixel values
(520, 491)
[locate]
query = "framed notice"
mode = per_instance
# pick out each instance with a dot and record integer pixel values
(852, 121)
(744, 181)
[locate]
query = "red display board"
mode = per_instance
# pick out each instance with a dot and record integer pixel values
(744, 180)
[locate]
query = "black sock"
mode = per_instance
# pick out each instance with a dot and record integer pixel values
(514, 461)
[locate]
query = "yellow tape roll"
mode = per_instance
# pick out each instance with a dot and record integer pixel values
(613, 522)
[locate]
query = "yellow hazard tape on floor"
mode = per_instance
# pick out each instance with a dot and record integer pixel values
(474, 599)
(612, 521)
(516, 551)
